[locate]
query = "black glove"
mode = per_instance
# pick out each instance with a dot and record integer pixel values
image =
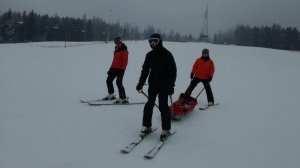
(109, 72)
(209, 79)
(139, 87)
(170, 90)
(192, 75)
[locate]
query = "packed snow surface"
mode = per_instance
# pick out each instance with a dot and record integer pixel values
(43, 125)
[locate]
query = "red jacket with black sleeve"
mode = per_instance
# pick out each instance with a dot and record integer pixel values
(120, 59)
(203, 69)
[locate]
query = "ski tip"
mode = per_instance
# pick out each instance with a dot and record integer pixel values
(124, 151)
(148, 157)
(93, 104)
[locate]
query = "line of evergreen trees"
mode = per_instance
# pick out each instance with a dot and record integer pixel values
(275, 37)
(24, 27)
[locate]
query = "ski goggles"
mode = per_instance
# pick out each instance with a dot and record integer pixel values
(153, 41)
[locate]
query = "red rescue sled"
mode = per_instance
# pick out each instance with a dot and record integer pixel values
(183, 106)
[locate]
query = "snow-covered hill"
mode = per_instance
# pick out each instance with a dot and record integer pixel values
(43, 125)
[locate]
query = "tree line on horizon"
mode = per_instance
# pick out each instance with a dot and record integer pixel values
(274, 36)
(18, 27)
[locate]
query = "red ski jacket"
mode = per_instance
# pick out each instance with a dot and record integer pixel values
(203, 69)
(120, 59)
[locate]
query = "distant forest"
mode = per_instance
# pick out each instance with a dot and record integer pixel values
(275, 37)
(29, 27)
(16, 27)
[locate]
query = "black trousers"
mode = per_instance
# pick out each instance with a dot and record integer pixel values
(162, 94)
(112, 74)
(207, 87)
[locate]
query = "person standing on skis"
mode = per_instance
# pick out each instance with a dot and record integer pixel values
(160, 66)
(202, 71)
(117, 70)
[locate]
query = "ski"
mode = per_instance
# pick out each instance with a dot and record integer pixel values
(108, 104)
(206, 107)
(135, 143)
(91, 101)
(157, 147)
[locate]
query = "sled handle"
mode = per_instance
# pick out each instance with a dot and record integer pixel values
(202, 90)
(172, 112)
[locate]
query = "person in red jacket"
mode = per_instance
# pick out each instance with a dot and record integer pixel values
(117, 70)
(203, 71)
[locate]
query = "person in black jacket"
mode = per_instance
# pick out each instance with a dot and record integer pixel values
(160, 66)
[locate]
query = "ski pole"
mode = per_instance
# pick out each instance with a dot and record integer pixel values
(148, 97)
(202, 90)
(172, 112)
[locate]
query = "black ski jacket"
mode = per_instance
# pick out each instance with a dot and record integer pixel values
(161, 65)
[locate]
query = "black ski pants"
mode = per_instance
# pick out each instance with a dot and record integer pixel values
(162, 94)
(112, 74)
(207, 87)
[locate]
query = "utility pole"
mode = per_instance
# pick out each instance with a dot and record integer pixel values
(66, 32)
(108, 27)
(204, 32)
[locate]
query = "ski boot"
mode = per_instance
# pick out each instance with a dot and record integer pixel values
(164, 135)
(145, 131)
(122, 101)
(210, 104)
(110, 97)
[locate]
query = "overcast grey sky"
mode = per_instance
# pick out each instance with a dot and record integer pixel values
(183, 16)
